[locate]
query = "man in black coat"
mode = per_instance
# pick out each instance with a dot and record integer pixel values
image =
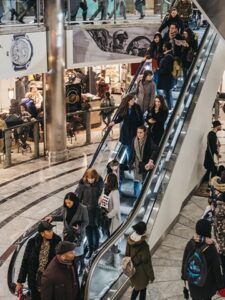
(165, 81)
(60, 279)
(211, 151)
(214, 279)
(39, 251)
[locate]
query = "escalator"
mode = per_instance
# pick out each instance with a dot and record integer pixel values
(104, 282)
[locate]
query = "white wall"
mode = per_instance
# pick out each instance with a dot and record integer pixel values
(189, 165)
(4, 96)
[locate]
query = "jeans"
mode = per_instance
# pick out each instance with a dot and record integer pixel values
(137, 188)
(102, 8)
(135, 294)
(93, 236)
(122, 6)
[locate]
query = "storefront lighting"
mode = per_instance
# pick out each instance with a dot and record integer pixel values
(11, 93)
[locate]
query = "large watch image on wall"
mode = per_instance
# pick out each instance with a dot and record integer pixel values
(21, 51)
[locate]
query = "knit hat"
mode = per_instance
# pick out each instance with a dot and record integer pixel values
(203, 227)
(140, 228)
(216, 124)
(44, 225)
(64, 246)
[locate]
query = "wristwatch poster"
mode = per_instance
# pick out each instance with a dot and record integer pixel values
(21, 51)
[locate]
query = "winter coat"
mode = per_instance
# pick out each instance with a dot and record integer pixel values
(89, 195)
(60, 282)
(157, 129)
(188, 53)
(155, 52)
(30, 261)
(211, 150)
(80, 217)
(219, 225)
(141, 258)
(165, 81)
(114, 211)
(174, 40)
(149, 152)
(170, 20)
(214, 280)
(145, 94)
(131, 121)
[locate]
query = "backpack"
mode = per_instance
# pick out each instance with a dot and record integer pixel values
(196, 266)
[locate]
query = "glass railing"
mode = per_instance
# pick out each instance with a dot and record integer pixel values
(32, 13)
(103, 280)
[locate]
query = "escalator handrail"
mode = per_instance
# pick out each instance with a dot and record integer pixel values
(149, 177)
(116, 115)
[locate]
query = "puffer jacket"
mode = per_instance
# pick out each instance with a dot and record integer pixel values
(138, 249)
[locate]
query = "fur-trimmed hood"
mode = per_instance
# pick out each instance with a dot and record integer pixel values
(215, 181)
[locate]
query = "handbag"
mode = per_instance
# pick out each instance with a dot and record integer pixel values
(128, 267)
(141, 167)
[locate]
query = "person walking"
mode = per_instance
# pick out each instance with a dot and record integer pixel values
(102, 8)
(39, 251)
(138, 249)
(139, 7)
(121, 4)
(214, 279)
(212, 150)
(60, 279)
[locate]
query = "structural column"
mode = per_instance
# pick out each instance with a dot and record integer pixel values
(55, 104)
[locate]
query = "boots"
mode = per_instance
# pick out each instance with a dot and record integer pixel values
(13, 13)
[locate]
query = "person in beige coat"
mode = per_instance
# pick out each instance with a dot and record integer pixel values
(138, 249)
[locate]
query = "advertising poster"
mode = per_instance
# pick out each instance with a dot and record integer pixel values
(23, 54)
(108, 45)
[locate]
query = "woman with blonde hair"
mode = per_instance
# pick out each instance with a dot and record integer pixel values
(89, 190)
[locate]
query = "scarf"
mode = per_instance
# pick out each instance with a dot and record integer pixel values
(139, 147)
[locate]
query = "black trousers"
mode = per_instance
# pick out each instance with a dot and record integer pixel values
(93, 236)
(35, 295)
(135, 294)
(202, 298)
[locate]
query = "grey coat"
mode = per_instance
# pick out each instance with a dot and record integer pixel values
(80, 216)
(145, 94)
(114, 211)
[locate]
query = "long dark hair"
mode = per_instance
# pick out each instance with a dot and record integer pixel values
(72, 197)
(111, 183)
(146, 73)
(122, 110)
(163, 105)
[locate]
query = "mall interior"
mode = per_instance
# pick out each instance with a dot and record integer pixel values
(64, 63)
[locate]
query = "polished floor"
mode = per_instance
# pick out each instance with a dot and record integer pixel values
(34, 189)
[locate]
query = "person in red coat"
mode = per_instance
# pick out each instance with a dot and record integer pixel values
(60, 280)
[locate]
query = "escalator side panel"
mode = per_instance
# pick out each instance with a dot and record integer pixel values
(188, 167)
(214, 12)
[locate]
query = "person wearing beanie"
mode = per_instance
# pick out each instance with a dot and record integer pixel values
(214, 280)
(39, 251)
(212, 149)
(138, 249)
(60, 279)
(75, 220)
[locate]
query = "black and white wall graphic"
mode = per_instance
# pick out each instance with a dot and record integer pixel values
(99, 45)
